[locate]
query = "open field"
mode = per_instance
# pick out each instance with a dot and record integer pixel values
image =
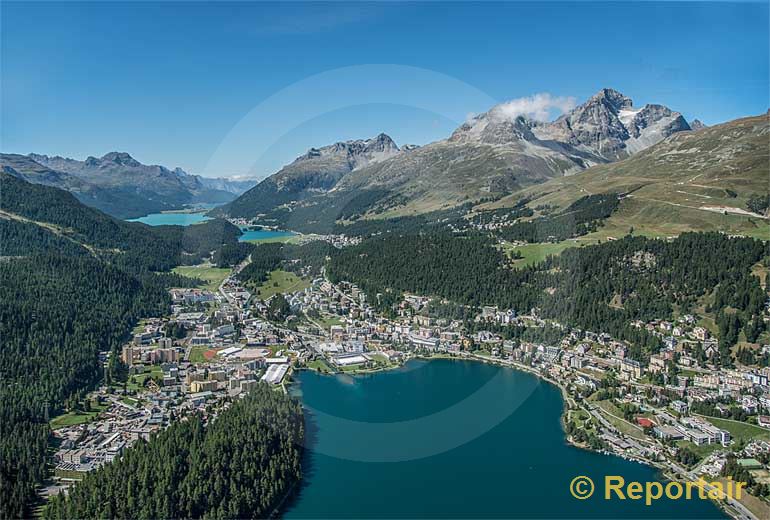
(212, 275)
(534, 253)
(615, 416)
(703, 450)
(327, 320)
(136, 381)
(139, 327)
(320, 365)
(74, 417)
(280, 282)
(292, 239)
(740, 431)
(197, 354)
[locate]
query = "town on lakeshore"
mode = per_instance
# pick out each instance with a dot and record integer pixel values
(679, 412)
(384, 260)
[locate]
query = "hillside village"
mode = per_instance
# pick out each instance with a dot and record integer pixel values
(678, 412)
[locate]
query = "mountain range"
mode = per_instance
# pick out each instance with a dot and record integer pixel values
(487, 157)
(121, 186)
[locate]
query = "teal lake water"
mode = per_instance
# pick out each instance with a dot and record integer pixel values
(453, 439)
(261, 234)
(188, 219)
(171, 219)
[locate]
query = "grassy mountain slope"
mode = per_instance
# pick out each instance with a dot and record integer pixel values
(489, 156)
(691, 181)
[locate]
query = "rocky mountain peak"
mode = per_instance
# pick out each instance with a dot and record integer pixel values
(357, 151)
(610, 98)
(120, 158)
(697, 124)
(609, 125)
(381, 143)
(494, 127)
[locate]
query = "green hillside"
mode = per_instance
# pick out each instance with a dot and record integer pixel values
(691, 181)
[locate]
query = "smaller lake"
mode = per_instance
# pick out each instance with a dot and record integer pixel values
(262, 234)
(171, 219)
(188, 219)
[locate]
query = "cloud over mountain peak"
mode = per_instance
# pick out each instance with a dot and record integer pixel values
(538, 107)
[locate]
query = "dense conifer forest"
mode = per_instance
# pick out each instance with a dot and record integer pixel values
(241, 465)
(306, 259)
(581, 217)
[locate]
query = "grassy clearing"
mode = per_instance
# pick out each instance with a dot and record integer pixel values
(761, 272)
(77, 417)
(72, 418)
(320, 365)
(281, 282)
(136, 382)
(615, 416)
(534, 253)
(741, 432)
(703, 450)
(139, 327)
(70, 475)
(353, 368)
(196, 355)
(292, 239)
(328, 320)
(129, 401)
(212, 275)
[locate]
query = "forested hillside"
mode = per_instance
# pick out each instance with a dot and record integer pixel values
(600, 288)
(56, 313)
(239, 466)
(133, 246)
(73, 282)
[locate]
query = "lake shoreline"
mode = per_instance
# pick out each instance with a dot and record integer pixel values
(664, 471)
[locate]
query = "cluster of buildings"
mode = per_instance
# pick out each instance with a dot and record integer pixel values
(85, 447)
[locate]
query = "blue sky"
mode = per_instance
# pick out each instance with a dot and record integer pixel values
(242, 88)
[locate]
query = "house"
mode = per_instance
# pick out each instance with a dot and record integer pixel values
(700, 333)
(631, 368)
(679, 407)
(749, 403)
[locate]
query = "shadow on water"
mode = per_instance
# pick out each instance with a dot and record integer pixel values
(308, 466)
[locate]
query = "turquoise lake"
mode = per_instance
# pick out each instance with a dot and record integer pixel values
(187, 219)
(453, 439)
(261, 234)
(171, 219)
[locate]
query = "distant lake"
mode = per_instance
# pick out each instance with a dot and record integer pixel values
(171, 219)
(453, 439)
(187, 219)
(262, 234)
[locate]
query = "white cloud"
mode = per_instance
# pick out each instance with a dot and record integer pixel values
(538, 107)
